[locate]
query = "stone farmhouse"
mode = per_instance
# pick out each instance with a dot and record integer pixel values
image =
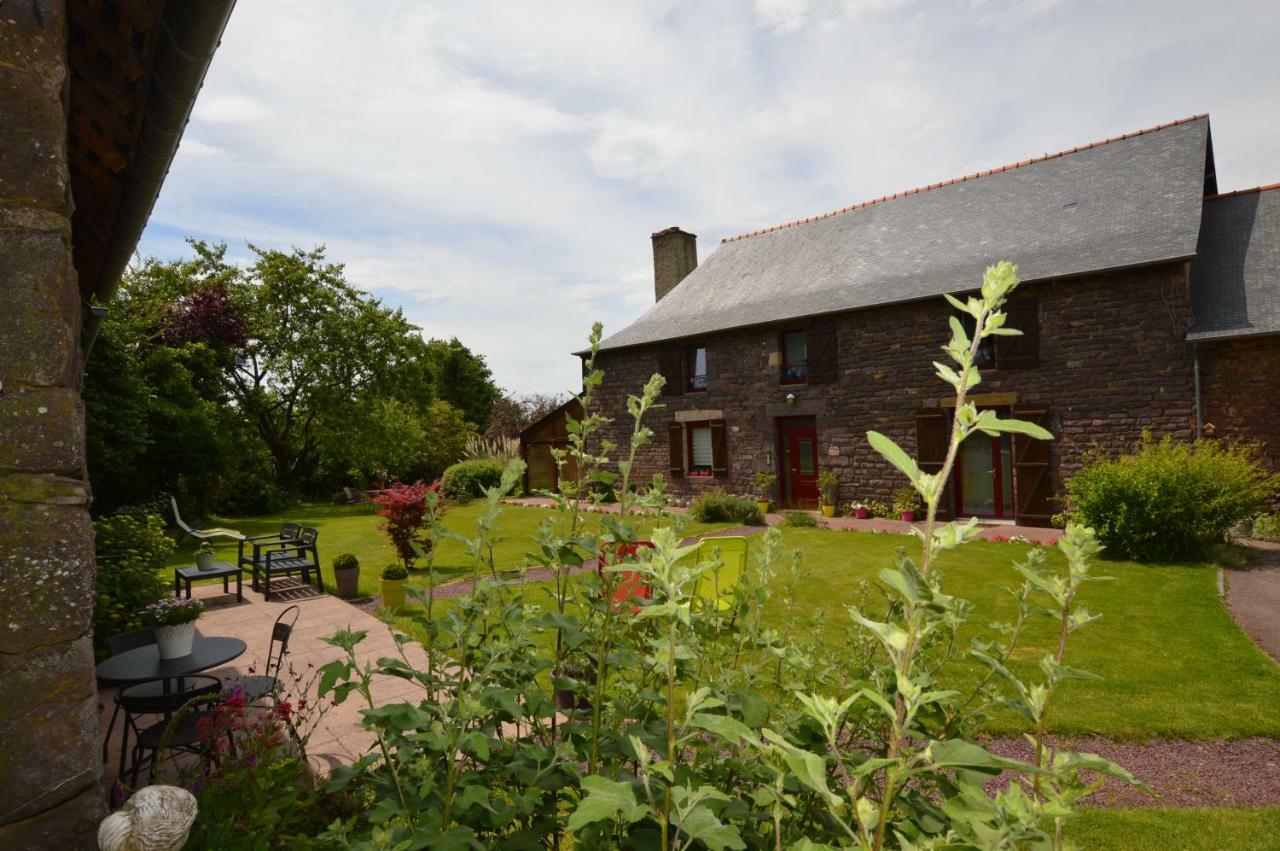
(1150, 302)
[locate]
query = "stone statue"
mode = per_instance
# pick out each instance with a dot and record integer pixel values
(155, 818)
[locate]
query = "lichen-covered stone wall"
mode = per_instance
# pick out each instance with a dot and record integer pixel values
(50, 790)
(1113, 361)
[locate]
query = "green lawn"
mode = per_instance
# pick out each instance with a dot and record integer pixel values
(354, 529)
(1202, 829)
(1174, 663)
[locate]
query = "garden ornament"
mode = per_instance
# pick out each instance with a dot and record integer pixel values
(155, 818)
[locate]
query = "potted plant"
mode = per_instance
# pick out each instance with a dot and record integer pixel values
(174, 622)
(827, 486)
(859, 510)
(393, 577)
(764, 488)
(205, 556)
(346, 571)
(905, 503)
(877, 508)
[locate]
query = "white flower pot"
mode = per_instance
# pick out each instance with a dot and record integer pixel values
(204, 561)
(175, 641)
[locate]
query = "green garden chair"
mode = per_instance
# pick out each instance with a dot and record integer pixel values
(715, 587)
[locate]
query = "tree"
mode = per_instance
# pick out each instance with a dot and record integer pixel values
(463, 379)
(515, 412)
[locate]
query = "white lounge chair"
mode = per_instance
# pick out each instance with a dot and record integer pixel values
(202, 534)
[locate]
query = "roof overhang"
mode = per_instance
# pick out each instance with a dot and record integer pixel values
(136, 68)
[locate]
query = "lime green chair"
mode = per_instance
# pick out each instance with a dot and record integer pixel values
(715, 587)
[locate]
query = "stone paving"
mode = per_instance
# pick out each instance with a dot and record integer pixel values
(338, 737)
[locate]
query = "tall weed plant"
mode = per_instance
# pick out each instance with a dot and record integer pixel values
(619, 706)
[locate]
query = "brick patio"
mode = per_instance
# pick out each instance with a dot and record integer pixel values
(339, 736)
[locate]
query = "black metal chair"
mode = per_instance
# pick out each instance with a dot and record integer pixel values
(297, 558)
(177, 728)
(257, 687)
(117, 644)
(287, 536)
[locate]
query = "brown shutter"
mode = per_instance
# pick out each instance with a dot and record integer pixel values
(1020, 352)
(820, 343)
(671, 366)
(675, 437)
(719, 453)
(933, 436)
(1032, 486)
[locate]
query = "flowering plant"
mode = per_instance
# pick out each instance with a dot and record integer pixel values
(172, 611)
(205, 549)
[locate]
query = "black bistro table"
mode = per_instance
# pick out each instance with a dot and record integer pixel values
(220, 570)
(144, 663)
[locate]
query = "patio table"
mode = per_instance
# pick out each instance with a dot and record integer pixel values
(184, 576)
(144, 663)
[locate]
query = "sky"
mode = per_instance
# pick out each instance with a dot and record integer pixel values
(496, 169)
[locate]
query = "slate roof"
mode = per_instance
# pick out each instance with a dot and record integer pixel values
(1235, 281)
(1127, 201)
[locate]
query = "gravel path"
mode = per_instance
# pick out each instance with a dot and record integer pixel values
(1238, 773)
(1253, 596)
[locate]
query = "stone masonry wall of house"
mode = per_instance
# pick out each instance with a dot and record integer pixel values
(1240, 385)
(1113, 361)
(51, 795)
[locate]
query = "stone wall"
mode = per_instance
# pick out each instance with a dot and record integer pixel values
(50, 793)
(1240, 383)
(1113, 361)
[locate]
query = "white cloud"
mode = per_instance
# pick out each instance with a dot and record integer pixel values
(497, 168)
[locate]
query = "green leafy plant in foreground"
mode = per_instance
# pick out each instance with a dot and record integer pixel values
(591, 715)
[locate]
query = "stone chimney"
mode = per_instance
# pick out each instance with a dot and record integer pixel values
(675, 255)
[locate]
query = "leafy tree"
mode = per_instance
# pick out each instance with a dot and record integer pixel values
(462, 378)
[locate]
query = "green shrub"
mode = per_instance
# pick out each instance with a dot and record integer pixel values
(345, 561)
(905, 499)
(472, 478)
(720, 507)
(799, 519)
(1169, 499)
(1266, 527)
(130, 549)
(394, 571)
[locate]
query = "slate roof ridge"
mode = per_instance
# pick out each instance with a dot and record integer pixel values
(997, 170)
(1264, 188)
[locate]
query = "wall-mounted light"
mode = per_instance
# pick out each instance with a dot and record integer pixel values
(791, 398)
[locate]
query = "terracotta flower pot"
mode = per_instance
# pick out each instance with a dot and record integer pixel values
(908, 517)
(393, 594)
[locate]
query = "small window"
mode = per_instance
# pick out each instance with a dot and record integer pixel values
(701, 450)
(795, 357)
(696, 368)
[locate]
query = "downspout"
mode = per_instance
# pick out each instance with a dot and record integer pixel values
(1195, 371)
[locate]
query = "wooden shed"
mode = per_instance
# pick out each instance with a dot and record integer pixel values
(536, 443)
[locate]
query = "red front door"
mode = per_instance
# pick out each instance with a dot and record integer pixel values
(798, 461)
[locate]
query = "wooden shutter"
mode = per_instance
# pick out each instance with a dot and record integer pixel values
(675, 440)
(1020, 352)
(719, 451)
(1032, 486)
(933, 436)
(820, 343)
(671, 366)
